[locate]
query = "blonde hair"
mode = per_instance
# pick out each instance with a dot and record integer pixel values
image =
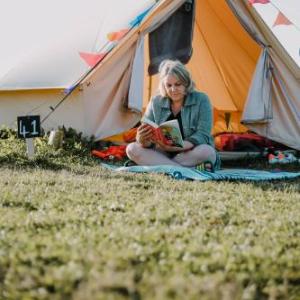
(177, 69)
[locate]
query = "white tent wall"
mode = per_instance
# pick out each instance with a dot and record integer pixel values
(41, 40)
(38, 102)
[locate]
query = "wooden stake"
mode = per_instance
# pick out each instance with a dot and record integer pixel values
(30, 148)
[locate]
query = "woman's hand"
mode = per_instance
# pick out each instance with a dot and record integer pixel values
(144, 135)
(186, 146)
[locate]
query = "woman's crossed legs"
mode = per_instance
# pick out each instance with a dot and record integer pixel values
(152, 157)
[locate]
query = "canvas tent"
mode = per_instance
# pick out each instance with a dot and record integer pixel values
(83, 64)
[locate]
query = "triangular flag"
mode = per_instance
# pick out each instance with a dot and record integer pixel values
(140, 17)
(282, 20)
(116, 36)
(258, 1)
(91, 58)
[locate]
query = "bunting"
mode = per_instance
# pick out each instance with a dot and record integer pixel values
(92, 58)
(140, 17)
(118, 35)
(251, 2)
(281, 20)
(114, 37)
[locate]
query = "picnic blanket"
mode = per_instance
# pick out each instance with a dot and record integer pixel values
(184, 173)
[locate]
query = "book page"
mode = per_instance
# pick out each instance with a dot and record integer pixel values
(168, 132)
(172, 133)
(149, 122)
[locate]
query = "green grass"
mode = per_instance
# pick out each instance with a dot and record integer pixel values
(70, 229)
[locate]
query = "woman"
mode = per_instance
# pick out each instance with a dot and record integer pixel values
(177, 100)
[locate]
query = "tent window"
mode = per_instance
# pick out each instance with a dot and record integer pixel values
(173, 38)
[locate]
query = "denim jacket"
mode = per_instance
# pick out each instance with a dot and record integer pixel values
(196, 116)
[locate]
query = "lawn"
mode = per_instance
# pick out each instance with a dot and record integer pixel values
(70, 229)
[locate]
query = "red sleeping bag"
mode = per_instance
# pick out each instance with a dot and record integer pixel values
(245, 142)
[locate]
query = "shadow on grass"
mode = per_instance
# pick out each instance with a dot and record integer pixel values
(12, 161)
(279, 185)
(263, 165)
(77, 165)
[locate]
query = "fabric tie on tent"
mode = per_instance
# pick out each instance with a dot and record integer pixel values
(69, 89)
(193, 174)
(281, 20)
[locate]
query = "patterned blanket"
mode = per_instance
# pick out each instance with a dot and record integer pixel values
(193, 174)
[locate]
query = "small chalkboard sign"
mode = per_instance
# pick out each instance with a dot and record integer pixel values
(29, 127)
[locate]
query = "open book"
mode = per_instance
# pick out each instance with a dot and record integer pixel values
(168, 132)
